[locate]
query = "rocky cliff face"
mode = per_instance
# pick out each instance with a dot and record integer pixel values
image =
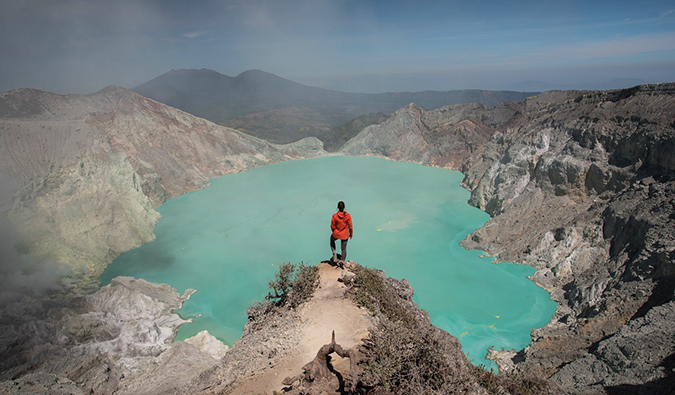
(447, 137)
(118, 339)
(87, 171)
(580, 185)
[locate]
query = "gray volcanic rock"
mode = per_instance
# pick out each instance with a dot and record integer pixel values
(265, 342)
(635, 354)
(118, 339)
(579, 185)
(89, 169)
(398, 138)
(582, 191)
(446, 137)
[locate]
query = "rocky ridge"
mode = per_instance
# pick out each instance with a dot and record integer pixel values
(447, 137)
(386, 337)
(579, 185)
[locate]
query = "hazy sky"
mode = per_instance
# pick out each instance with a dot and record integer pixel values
(81, 46)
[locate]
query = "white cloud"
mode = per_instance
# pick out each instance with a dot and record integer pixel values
(194, 34)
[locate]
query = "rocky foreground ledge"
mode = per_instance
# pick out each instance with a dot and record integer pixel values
(119, 340)
(359, 332)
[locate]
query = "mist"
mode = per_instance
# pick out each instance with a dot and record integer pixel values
(22, 275)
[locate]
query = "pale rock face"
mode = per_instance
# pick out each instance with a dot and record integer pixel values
(399, 138)
(446, 137)
(118, 338)
(137, 312)
(207, 343)
(88, 213)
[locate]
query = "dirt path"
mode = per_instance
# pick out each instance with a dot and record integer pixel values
(328, 310)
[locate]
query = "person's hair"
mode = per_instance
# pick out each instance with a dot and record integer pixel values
(341, 206)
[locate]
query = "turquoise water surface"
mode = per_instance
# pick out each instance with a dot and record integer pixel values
(226, 241)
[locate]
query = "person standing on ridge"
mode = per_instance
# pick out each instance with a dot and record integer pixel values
(341, 227)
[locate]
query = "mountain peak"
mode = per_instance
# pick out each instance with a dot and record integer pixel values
(255, 73)
(189, 74)
(111, 89)
(191, 71)
(191, 81)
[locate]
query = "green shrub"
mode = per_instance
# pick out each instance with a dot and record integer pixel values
(372, 293)
(405, 360)
(293, 284)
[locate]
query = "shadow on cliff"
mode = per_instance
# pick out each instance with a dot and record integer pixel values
(663, 386)
(663, 293)
(155, 260)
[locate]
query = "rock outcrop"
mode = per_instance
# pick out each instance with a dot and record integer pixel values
(88, 170)
(581, 186)
(118, 339)
(447, 137)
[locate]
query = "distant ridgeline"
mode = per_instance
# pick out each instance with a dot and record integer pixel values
(282, 111)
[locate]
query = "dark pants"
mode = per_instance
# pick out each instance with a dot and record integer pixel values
(343, 246)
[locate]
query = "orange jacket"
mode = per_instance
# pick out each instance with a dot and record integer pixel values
(341, 225)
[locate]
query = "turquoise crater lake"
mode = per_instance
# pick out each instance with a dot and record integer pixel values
(227, 240)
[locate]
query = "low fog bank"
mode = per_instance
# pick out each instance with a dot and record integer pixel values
(21, 274)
